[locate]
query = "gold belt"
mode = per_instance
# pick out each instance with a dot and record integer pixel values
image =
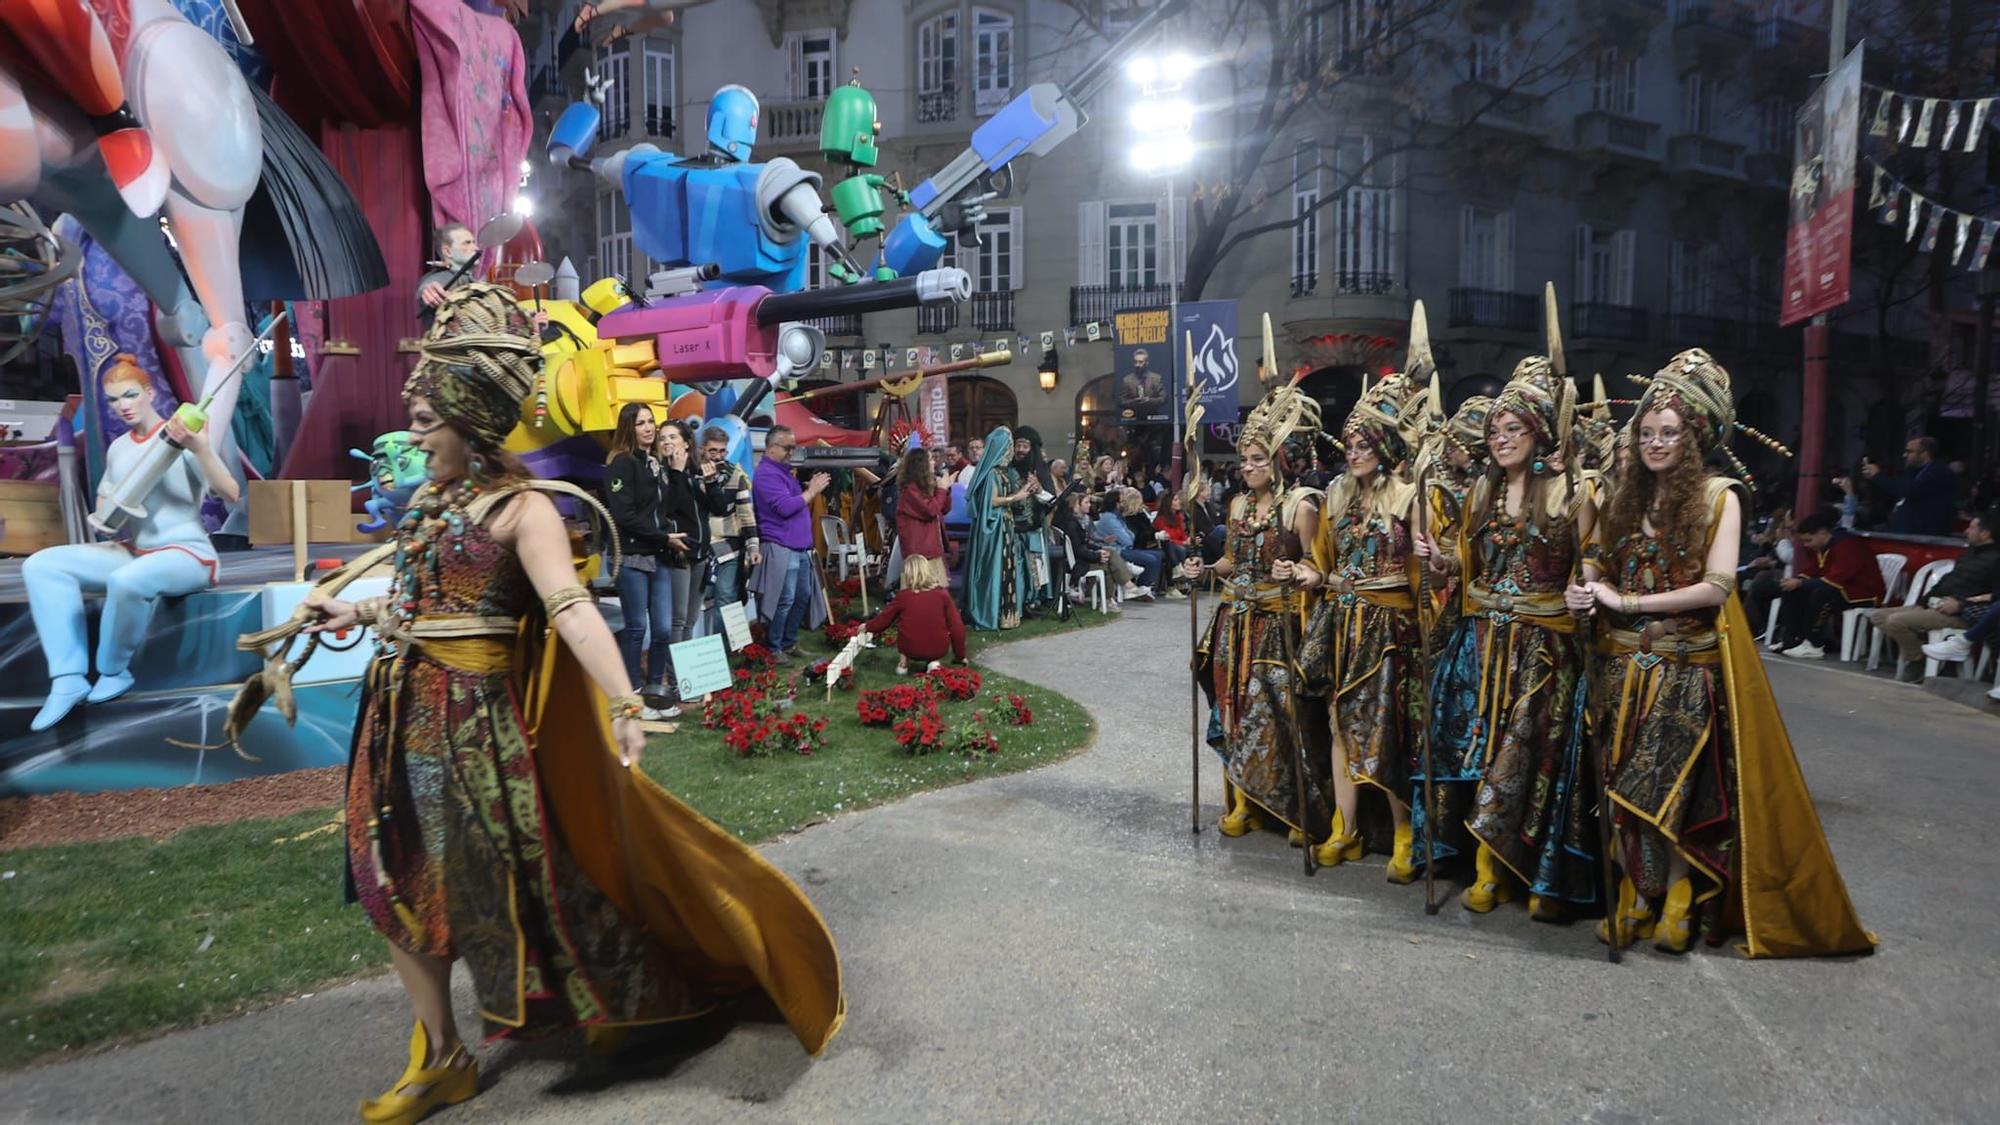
(1547, 609)
(463, 643)
(1391, 594)
(1689, 648)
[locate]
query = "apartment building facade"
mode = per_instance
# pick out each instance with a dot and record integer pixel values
(1645, 175)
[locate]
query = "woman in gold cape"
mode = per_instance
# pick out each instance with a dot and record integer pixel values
(493, 814)
(1715, 831)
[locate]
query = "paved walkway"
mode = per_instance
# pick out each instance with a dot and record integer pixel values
(1056, 946)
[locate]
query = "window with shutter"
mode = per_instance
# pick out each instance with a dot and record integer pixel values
(1132, 246)
(614, 69)
(1486, 249)
(1364, 220)
(810, 63)
(656, 89)
(1090, 254)
(998, 267)
(1305, 219)
(992, 59)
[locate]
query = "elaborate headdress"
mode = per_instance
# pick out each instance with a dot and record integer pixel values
(1544, 396)
(1467, 427)
(1696, 387)
(1285, 412)
(1392, 414)
(478, 363)
(1597, 431)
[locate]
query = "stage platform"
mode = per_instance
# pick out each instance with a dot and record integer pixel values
(187, 671)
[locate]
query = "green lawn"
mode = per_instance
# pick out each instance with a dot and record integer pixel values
(122, 939)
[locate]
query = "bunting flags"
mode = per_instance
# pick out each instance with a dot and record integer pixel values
(1886, 198)
(1920, 124)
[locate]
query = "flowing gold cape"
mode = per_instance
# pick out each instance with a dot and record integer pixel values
(732, 920)
(1791, 901)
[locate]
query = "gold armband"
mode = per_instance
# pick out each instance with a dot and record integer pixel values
(1725, 582)
(626, 706)
(562, 599)
(1628, 604)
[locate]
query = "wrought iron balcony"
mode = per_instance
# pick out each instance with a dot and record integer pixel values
(1098, 302)
(934, 320)
(1495, 308)
(1358, 283)
(844, 324)
(1304, 284)
(1598, 321)
(993, 312)
(939, 105)
(660, 121)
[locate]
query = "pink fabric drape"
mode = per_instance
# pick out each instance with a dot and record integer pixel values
(475, 115)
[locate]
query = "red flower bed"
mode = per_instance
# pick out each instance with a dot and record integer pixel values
(884, 706)
(955, 683)
(816, 673)
(1019, 713)
(753, 724)
(841, 632)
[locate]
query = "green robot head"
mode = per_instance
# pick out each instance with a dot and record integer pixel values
(848, 127)
(398, 465)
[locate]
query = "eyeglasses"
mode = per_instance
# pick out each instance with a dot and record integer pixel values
(1511, 433)
(782, 446)
(1256, 462)
(1667, 438)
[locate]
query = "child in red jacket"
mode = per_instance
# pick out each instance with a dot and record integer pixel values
(927, 622)
(1835, 573)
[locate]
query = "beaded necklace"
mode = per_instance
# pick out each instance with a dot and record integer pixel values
(436, 517)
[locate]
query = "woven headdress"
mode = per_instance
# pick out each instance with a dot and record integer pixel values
(478, 363)
(1696, 387)
(1285, 412)
(1541, 392)
(1597, 431)
(1394, 413)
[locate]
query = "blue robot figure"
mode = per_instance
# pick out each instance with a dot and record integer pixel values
(396, 469)
(751, 221)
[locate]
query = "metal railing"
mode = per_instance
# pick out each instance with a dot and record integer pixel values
(659, 121)
(1494, 308)
(1362, 283)
(938, 105)
(1099, 302)
(842, 324)
(993, 312)
(1600, 321)
(933, 320)
(1303, 284)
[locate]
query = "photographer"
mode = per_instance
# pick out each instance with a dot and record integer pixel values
(732, 525)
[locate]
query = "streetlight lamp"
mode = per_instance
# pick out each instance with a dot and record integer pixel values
(1164, 123)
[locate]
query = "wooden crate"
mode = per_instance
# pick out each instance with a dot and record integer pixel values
(30, 517)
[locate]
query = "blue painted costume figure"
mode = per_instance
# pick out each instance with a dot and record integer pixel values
(167, 553)
(395, 472)
(996, 578)
(1507, 697)
(1715, 831)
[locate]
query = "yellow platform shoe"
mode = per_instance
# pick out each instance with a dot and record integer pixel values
(1401, 868)
(1240, 820)
(1543, 909)
(1634, 915)
(1342, 846)
(1489, 889)
(454, 1079)
(1676, 928)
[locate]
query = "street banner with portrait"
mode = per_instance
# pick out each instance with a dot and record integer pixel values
(934, 411)
(1819, 238)
(1142, 361)
(1212, 326)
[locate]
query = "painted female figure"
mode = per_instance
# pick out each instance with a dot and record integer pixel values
(1506, 704)
(1247, 662)
(1714, 829)
(1365, 635)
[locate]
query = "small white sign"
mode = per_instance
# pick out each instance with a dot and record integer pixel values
(736, 625)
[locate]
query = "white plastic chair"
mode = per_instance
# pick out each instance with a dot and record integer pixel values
(1771, 626)
(1854, 626)
(1095, 575)
(841, 546)
(1920, 585)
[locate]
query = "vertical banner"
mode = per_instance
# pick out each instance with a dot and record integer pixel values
(1142, 358)
(1212, 324)
(1819, 240)
(934, 411)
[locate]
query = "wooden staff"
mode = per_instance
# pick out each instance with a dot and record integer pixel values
(1191, 486)
(1426, 666)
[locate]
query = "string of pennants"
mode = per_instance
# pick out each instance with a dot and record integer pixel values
(927, 355)
(1896, 203)
(1920, 122)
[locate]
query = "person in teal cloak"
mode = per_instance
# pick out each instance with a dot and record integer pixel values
(995, 568)
(1031, 515)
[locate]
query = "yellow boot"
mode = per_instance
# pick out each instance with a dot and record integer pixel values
(1545, 909)
(454, 1079)
(1340, 847)
(1240, 820)
(1401, 869)
(1635, 917)
(1676, 929)
(1489, 888)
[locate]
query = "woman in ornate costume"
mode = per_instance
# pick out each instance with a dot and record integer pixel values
(492, 814)
(1247, 662)
(996, 569)
(1506, 705)
(1715, 830)
(1365, 636)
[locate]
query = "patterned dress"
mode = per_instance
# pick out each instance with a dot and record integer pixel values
(1241, 663)
(1365, 638)
(1507, 709)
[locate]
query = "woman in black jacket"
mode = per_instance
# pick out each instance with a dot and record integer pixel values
(687, 499)
(632, 494)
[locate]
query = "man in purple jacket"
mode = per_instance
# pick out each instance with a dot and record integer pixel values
(784, 518)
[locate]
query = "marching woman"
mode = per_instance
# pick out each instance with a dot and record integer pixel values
(492, 814)
(1247, 662)
(1506, 709)
(1714, 828)
(1365, 635)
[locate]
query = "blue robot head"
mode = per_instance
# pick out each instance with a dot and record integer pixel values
(732, 122)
